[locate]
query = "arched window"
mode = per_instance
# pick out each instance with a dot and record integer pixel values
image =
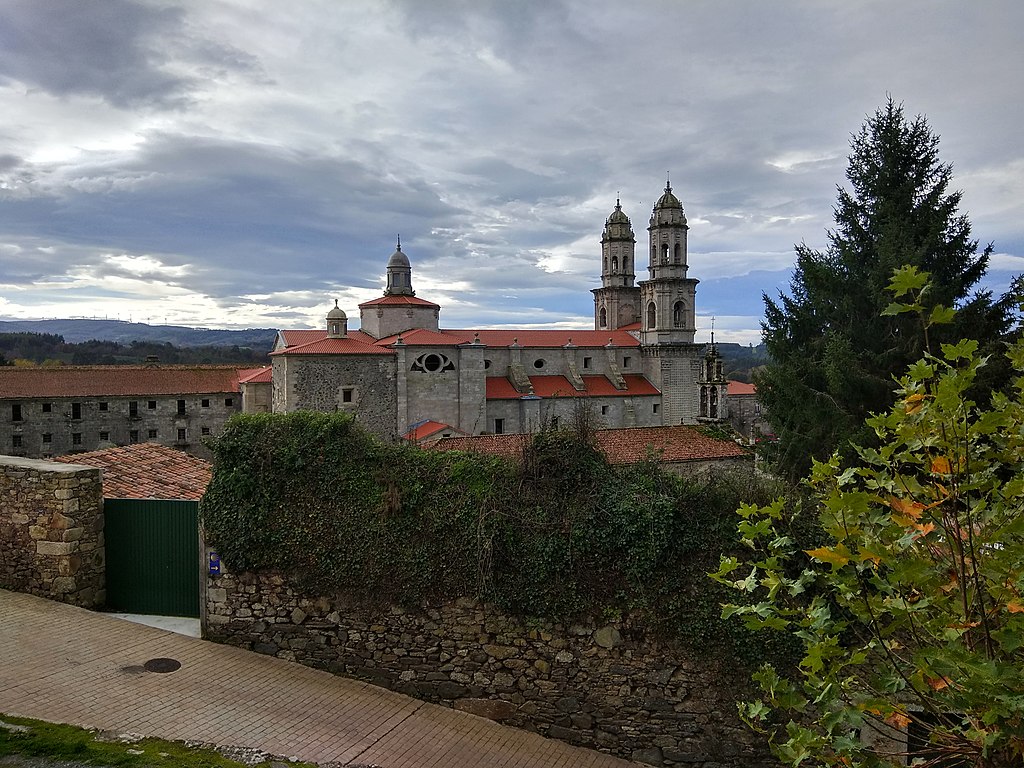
(678, 254)
(714, 402)
(603, 322)
(652, 316)
(615, 263)
(664, 253)
(704, 401)
(678, 313)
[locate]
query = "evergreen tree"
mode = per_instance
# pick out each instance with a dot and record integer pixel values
(834, 350)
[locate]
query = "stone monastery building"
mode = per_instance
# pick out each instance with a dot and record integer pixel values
(401, 374)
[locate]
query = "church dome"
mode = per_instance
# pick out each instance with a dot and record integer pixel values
(618, 217)
(398, 259)
(337, 313)
(668, 200)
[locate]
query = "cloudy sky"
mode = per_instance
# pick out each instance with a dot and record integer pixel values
(239, 163)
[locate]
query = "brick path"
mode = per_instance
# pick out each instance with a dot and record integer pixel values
(65, 664)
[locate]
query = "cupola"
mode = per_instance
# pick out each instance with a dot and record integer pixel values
(337, 323)
(399, 274)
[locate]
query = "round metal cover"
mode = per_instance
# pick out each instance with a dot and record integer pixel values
(162, 665)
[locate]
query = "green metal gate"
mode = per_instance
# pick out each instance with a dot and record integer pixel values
(152, 556)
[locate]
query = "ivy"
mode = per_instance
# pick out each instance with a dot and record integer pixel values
(560, 536)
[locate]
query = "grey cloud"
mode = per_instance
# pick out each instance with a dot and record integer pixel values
(114, 49)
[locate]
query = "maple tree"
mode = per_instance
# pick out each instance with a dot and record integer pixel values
(911, 616)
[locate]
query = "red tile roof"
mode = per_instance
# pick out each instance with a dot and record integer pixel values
(427, 428)
(117, 380)
(264, 375)
(500, 388)
(423, 337)
(621, 446)
(736, 388)
(294, 338)
(398, 300)
(547, 338)
(325, 346)
(147, 471)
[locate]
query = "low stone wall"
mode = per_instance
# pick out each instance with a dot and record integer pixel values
(51, 530)
(596, 686)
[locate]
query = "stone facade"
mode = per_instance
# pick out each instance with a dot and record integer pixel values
(596, 686)
(51, 530)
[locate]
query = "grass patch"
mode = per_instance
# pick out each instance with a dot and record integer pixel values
(36, 738)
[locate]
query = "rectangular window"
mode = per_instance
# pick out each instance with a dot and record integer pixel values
(103, 406)
(104, 436)
(206, 430)
(76, 410)
(47, 437)
(604, 410)
(554, 422)
(346, 394)
(133, 436)
(587, 362)
(16, 441)
(181, 435)
(47, 407)
(657, 407)
(229, 402)
(499, 426)
(151, 405)
(76, 438)
(206, 402)
(181, 407)
(133, 409)
(626, 360)
(151, 433)
(16, 412)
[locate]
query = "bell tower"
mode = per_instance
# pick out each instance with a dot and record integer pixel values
(672, 362)
(617, 301)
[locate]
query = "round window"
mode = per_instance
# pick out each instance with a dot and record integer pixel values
(432, 363)
(487, 364)
(539, 362)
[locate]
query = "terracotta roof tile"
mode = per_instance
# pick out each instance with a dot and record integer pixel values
(398, 300)
(117, 380)
(428, 428)
(621, 446)
(736, 388)
(546, 338)
(147, 471)
(264, 375)
(326, 346)
(422, 337)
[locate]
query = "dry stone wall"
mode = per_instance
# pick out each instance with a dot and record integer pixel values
(596, 686)
(51, 530)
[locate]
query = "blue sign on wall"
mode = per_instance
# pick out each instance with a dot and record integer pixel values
(214, 563)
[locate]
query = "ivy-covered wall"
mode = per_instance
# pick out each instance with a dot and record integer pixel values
(377, 559)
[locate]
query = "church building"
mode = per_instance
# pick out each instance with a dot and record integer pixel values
(402, 375)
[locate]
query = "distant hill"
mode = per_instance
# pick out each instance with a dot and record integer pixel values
(77, 331)
(740, 360)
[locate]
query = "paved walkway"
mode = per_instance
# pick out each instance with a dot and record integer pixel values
(66, 664)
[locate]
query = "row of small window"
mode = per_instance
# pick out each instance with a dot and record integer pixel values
(588, 363)
(499, 424)
(133, 407)
(133, 437)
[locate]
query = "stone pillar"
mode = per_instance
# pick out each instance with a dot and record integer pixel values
(51, 530)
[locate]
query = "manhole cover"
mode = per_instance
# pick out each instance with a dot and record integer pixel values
(162, 665)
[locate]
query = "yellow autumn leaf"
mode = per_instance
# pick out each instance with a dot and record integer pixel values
(837, 557)
(1015, 606)
(913, 403)
(937, 683)
(906, 507)
(924, 529)
(898, 720)
(940, 465)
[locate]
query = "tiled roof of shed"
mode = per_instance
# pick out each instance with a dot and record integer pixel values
(622, 446)
(147, 471)
(264, 375)
(736, 388)
(427, 428)
(117, 380)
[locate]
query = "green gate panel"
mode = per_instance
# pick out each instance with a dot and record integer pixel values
(152, 553)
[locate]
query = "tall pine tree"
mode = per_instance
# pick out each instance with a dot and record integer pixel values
(833, 353)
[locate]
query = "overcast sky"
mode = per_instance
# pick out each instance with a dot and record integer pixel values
(239, 163)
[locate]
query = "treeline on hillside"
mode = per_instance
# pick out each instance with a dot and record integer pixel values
(740, 362)
(47, 349)
(560, 535)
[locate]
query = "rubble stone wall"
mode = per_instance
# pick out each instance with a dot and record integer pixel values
(51, 530)
(599, 686)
